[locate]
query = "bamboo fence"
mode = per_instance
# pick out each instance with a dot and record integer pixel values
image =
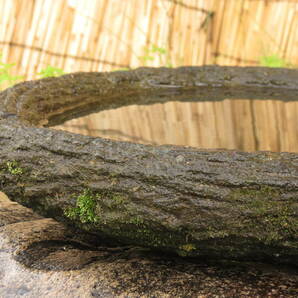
(105, 35)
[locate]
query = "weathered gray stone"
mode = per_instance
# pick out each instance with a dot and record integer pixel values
(51, 101)
(220, 204)
(40, 257)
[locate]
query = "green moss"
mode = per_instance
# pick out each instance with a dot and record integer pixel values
(13, 168)
(118, 200)
(280, 223)
(85, 208)
(101, 207)
(186, 249)
(246, 192)
(113, 215)
(212, 233)
(114, 175)
(269, 216)
(137, 230)
(136, 221)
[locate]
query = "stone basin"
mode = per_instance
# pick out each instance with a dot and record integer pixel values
(141, 204)
(41, 257)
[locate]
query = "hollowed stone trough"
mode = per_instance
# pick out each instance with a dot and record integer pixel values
(215, 204)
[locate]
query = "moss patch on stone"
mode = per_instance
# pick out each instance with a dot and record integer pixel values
(85, 208)
(186, 249)
(13, 168)
(113, 215)
(272, 219)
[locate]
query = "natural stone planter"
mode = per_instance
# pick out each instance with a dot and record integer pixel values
(220, 204)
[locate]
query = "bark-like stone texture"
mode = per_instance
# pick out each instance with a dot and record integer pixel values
(40, 257)
(217, 204)
(196, 203)
(51, 101)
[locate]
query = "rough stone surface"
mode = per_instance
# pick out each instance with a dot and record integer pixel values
(40, 257)
(51, 101)
(221, 204)
(217, 206)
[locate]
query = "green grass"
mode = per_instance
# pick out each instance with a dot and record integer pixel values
(273, 61)
(50, 71)
(7, 79)
(5, 73)
(153, 53)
